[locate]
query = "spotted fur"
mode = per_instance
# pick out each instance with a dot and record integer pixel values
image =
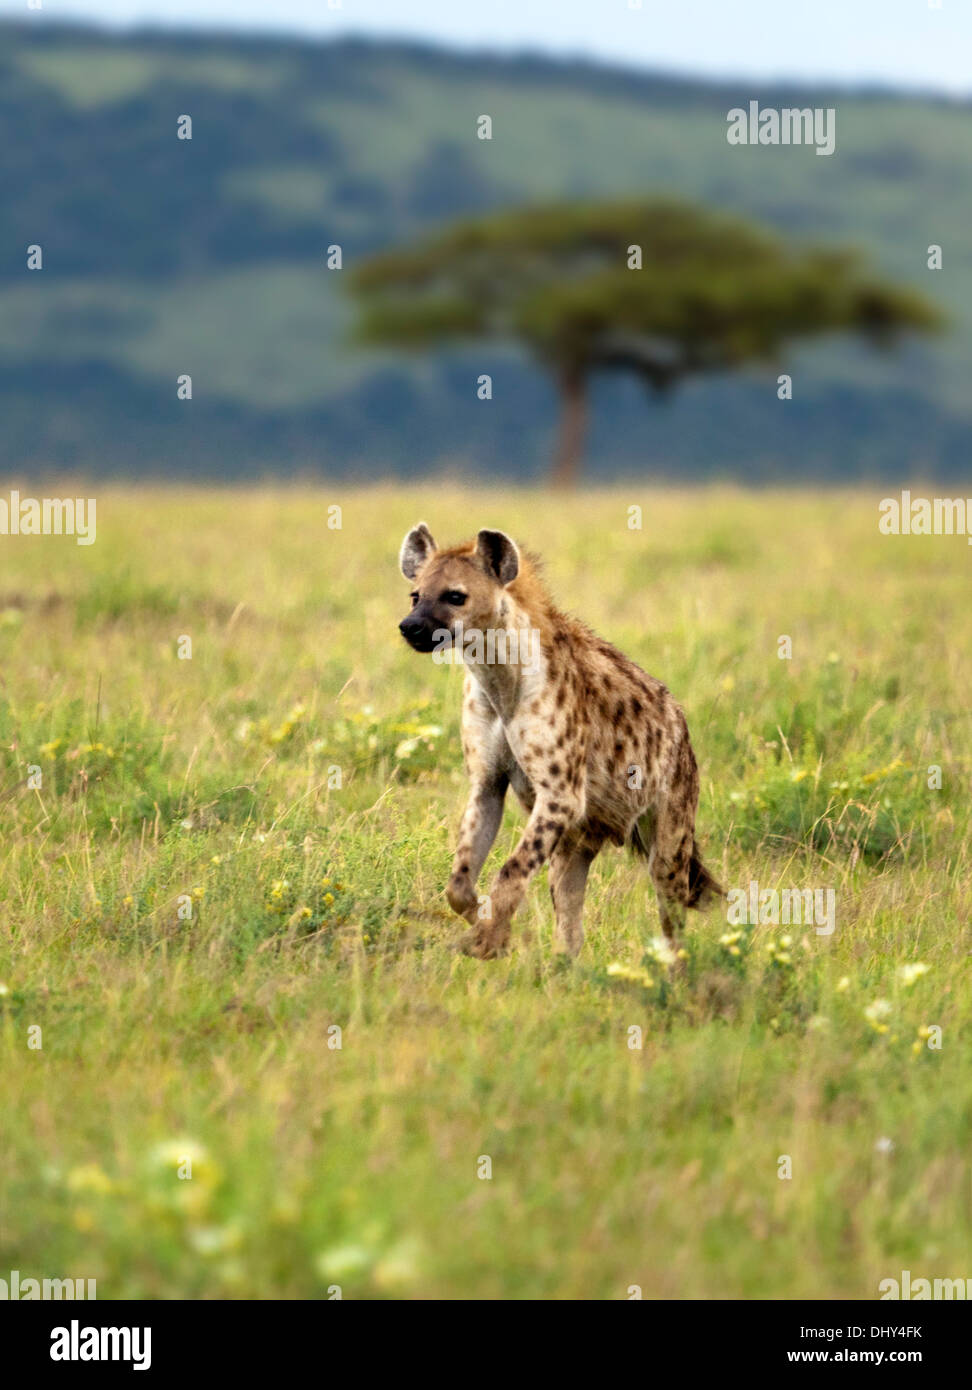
(595, 750)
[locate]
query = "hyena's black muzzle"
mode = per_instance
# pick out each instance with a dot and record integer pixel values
(422, 629)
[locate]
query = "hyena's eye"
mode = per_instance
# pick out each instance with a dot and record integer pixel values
(414, 598)
(453, 598)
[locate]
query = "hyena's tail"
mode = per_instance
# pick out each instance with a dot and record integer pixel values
(640, 840)
(702, 887)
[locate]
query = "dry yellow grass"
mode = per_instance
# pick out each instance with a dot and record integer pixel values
(297, 783)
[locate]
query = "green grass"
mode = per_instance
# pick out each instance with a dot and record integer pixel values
(232, 856)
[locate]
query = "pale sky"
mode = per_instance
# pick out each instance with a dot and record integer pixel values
(898, 42)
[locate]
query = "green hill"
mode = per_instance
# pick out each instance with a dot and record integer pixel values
(207, 257)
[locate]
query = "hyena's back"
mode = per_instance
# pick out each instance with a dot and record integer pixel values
(642, 780)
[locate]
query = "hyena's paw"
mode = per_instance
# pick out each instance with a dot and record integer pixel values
(568, 944)
(461, 896)
(678, 961)
(485, 942)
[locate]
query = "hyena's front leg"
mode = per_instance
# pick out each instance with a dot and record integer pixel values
(568, 883)
(477, 831)
(552, 814)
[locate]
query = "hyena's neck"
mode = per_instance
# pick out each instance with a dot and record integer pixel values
(506, 659)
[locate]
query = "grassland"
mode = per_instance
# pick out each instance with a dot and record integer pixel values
(295, 787)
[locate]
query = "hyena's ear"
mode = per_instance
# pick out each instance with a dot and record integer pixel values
(417, 546)
(499, 554)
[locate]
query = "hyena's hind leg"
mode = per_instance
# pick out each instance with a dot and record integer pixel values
(569, 866)
(668, 863)
(680, 878)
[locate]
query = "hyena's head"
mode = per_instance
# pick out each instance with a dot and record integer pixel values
(463, 585)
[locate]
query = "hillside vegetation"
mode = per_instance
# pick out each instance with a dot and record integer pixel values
(207, 257)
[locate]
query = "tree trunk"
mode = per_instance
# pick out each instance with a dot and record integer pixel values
(573, 427)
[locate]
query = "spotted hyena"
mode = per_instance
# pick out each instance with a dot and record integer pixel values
(596, 750)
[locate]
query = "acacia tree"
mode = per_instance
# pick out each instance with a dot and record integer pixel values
(658, 288)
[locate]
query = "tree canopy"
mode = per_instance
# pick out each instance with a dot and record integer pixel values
(657, 287)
